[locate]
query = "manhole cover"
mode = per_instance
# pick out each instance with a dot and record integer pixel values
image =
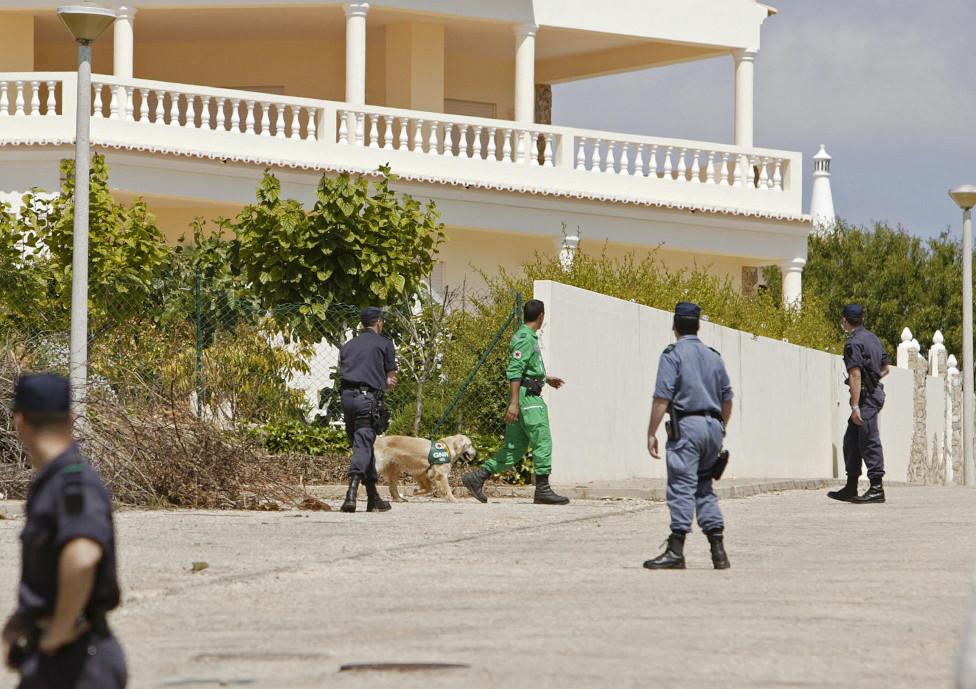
(401, 667)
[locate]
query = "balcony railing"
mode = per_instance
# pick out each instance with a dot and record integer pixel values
(200, 121)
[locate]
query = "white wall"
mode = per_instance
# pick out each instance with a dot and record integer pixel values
(791, 404)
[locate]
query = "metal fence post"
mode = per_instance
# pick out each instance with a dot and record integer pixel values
(198, 326)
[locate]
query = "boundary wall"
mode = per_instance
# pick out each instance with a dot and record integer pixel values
(791, 403)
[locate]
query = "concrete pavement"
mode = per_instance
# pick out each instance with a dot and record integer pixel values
(820, 594)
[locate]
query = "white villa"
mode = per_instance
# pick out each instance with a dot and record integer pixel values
(193, 99)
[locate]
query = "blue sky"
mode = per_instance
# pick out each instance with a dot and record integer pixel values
(888, 85)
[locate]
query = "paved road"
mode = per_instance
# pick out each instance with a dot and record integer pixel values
(820, 594)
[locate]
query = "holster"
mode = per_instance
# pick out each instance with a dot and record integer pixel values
(671, 427)
(720, 464)
(26, 635)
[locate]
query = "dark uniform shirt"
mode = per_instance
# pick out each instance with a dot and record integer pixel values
(693, 377)
(67, 500)
(366, 359)
(864, 350)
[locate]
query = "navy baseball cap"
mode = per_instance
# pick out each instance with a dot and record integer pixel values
(853, 311)
(42, 392)
(370, 315)
(686, 309)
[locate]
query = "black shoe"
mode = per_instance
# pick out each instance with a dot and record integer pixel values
(673, 557)
(873, 494)
(349, 504)
(374, 503)
(474, 481)
(719, 559)
(846, 494)
(545, 495)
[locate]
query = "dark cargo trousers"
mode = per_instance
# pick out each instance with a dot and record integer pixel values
(357, 410)
(863, 443)
(91, 662)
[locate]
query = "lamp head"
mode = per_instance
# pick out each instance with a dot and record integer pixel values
(86, 22)
(964, 196)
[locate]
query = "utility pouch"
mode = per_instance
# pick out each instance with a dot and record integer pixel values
(380, 415)
(533, 386)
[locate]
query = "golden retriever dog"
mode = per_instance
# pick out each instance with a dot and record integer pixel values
(396, 454)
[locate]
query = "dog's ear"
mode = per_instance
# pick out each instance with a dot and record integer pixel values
(454, 444)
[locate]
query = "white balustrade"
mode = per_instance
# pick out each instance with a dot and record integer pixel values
(120, 107)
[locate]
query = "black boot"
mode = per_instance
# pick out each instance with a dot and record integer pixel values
(846, 494)
(374, 503)
(719, 559)
(349, 504)
(673, 557)
(474, 481)
(545, 495)
(873, 494)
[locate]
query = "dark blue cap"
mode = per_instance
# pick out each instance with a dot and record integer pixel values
(42, 392)
(370, 315)
(686, 309)
(853, 311)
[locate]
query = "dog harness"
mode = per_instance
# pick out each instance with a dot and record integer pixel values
(439, 454)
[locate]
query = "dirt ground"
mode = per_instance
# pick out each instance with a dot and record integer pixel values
(820, 594)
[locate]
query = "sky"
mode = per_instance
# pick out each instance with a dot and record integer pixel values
(888, 85)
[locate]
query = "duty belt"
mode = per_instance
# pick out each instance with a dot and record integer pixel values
(363, 388)
(714, 414)
(533, 386)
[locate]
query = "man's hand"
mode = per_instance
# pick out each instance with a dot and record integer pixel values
(652, 447)
(856, 417)
(11, 632)
(513, 411)
(556, 382)
(391, 380)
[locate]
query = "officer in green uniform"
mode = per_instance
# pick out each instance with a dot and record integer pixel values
(528, 416)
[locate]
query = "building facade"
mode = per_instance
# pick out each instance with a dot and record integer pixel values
(193, 99)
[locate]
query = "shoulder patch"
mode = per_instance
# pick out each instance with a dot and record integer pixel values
(669, 349)
(516, 354)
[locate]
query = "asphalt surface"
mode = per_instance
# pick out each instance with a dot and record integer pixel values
(820, 594)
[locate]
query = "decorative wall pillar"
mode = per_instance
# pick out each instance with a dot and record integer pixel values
(904, 348)
(124, 56)
(356, 52)
(568, 247)
(525, 73)
(954, 456)
(918, 461)
(745, 95)
(938, 355)
(793, 282)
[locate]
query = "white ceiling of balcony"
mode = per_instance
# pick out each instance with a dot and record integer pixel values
(327, 23)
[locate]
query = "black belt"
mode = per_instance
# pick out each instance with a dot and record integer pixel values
(361, 387)
(714, 414)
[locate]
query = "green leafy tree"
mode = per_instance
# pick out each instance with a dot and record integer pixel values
(901, 280)
(360, 244)
(127, 252)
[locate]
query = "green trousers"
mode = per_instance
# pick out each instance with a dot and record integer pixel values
(531, 430)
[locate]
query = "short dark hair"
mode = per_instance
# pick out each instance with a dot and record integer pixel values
(856, 321)
(532, 310)
(686, 326)
(46, 420)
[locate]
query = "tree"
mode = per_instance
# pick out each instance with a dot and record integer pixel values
(901, 280)
(360, 244)
(127, 252)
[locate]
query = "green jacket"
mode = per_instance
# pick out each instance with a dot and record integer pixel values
(525, 356)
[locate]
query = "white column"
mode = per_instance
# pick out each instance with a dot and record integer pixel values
(525, 73)
(356, 52)
(793, 282)
(745, 63)
(124, 19)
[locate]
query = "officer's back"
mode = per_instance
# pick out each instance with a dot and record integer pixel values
(701, 381)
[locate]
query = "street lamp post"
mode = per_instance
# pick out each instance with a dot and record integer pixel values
(86, 23)
(965, 198)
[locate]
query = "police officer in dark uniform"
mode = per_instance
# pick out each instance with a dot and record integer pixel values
(368, 367)
(693, 388)
(58, 637)
(867, 363)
